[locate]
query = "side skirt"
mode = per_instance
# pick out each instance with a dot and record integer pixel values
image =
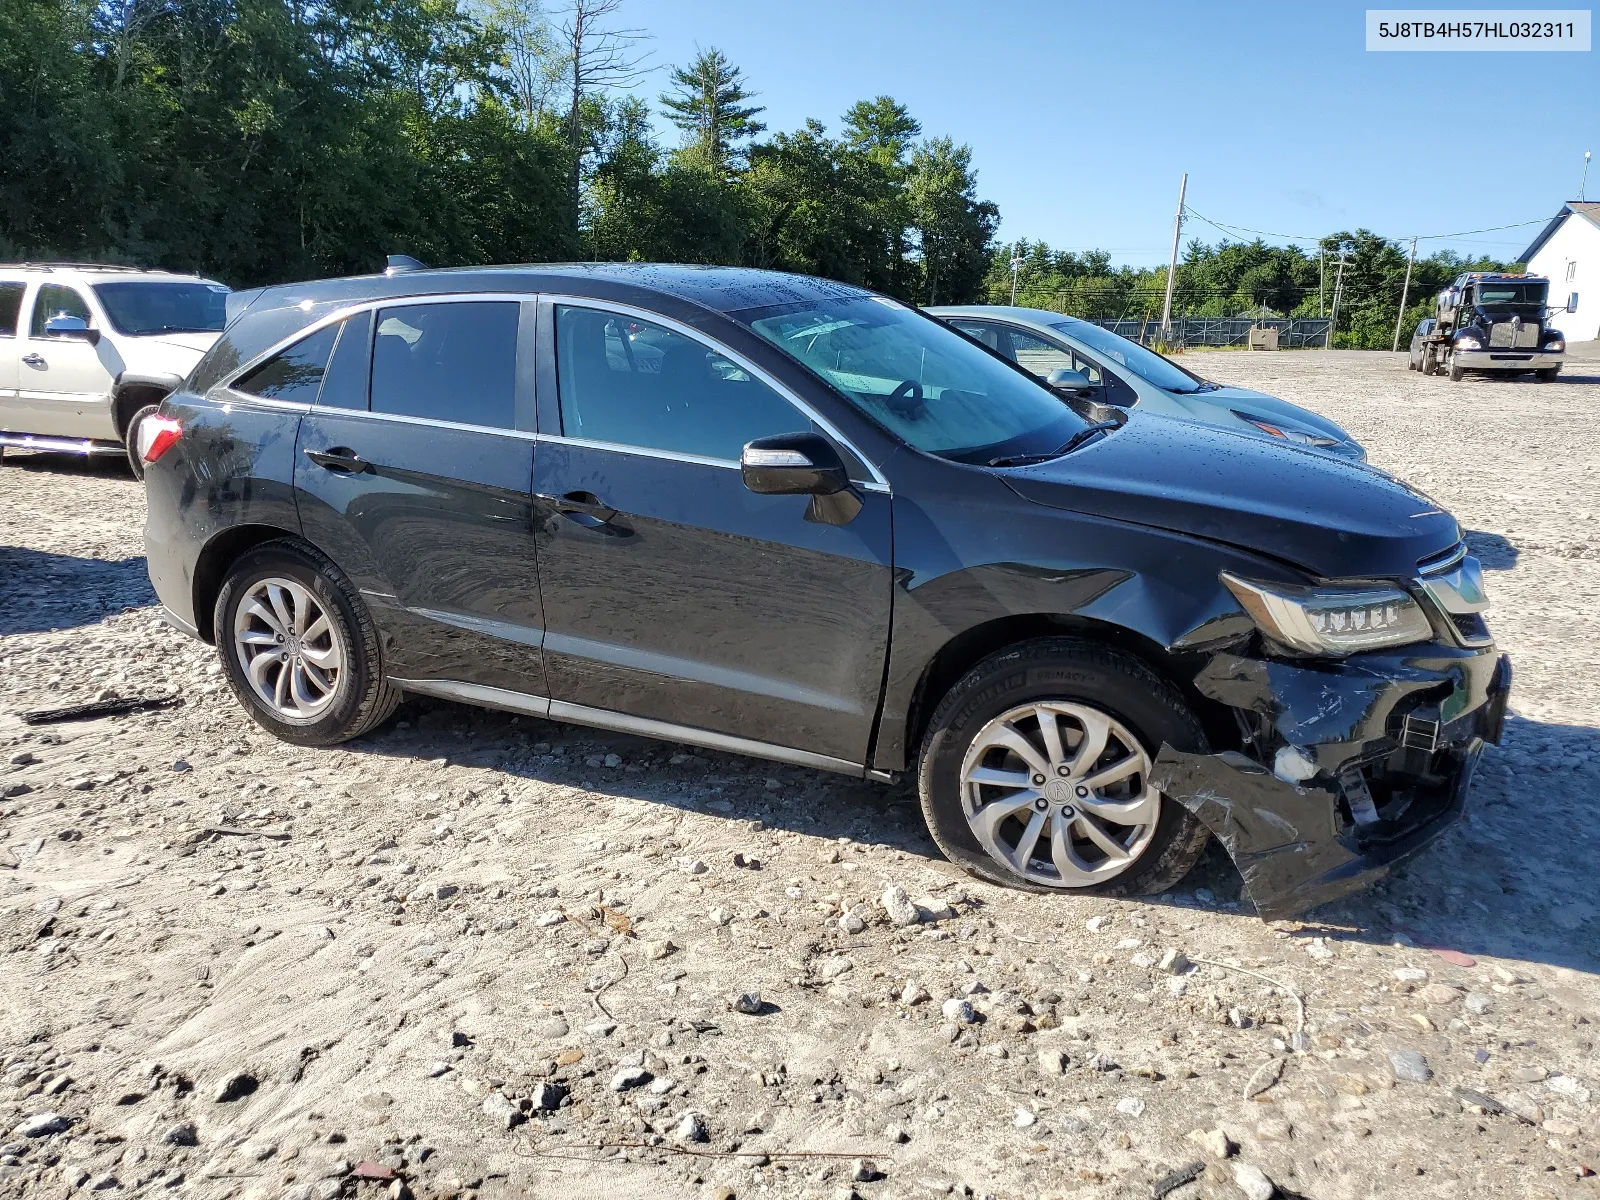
(600, 718)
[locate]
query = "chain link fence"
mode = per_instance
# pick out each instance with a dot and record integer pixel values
(1294, 333)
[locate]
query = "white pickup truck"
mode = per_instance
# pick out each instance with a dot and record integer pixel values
(88, 352)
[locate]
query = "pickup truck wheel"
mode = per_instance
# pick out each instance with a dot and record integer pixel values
(299, 647)
(1455, 369)
(130, 438)
(1035, 772)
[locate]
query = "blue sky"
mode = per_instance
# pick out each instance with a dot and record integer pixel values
(1082, 116)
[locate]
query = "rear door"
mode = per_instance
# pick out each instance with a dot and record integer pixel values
(413, 474)
(674, 596)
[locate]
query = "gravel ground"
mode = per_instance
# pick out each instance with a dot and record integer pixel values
(474, 954)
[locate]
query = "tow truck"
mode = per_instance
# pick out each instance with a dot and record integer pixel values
(1493, 321)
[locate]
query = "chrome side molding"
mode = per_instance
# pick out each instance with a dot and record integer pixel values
(600, 718)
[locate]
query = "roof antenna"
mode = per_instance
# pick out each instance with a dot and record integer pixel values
(399, 263)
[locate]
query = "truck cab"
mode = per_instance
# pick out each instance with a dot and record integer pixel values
(1494, 321)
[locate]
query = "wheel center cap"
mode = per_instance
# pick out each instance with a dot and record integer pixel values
(1058, 791)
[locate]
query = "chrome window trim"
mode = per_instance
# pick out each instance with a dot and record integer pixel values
(732, 356)
(647, 451)
(526, 435)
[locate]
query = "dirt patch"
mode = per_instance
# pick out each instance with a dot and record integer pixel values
(480, 954)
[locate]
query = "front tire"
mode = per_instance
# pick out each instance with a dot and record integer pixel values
(1455, 370)
(299, 648)
(130, 438)
(1035, 772)
(1548, 374)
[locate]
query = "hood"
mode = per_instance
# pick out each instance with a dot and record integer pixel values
(1260, 404)
(1334, 517)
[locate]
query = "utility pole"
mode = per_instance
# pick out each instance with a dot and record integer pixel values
(1172, 265)
(1016, 265)
(1338, 288)
(1321, 253)
(1585, 182)
(1405, 290)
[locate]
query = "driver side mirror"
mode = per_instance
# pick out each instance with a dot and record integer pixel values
(1572, 301)
(801, 464)
(71, 328)
(1064, 379)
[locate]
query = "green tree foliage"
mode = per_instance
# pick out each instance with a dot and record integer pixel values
(266, 140)
(707, 105)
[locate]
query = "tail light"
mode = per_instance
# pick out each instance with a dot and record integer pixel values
(157, 435)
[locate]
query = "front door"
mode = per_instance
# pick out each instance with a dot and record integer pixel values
(672, 593)
(413, 472)
(64, 384)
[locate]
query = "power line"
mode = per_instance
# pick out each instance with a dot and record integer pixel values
(1295, 237)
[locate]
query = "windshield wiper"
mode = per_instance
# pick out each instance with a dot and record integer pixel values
(1083, 435)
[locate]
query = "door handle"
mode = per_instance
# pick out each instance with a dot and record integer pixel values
(341, 459)
(580, 504)
(34, 360)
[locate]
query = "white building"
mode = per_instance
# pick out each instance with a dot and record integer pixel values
(1567, 252)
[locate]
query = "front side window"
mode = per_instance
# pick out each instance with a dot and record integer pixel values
(56, 300)
(447, 362)
(294, 374)
(143, 308)
(1147, 364)
(633, 383)
(10, 307)
(1039, 357)
(917, 377)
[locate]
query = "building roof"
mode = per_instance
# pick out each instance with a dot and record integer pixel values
(1588, 209)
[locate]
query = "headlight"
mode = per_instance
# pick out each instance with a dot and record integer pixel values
(1332, 620)
(1555, 346)
(1289, 433)
(1468, 343)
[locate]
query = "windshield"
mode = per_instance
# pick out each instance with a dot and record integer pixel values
(1502, 295)
(1146, 364)
(919, 378)
(137, 308)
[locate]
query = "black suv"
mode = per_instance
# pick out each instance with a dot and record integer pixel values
(794, 519)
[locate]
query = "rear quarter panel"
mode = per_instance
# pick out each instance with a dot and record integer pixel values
(233, 467)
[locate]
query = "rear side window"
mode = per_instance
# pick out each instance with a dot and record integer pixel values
(10, 307)
(294, 374)
(57, 300)
(447, 362)
(345, 384)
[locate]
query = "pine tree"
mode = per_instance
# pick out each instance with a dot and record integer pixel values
(707, 104)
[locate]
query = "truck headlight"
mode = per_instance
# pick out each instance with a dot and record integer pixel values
(1332, 620)
(1555, 346)
(1468, 343)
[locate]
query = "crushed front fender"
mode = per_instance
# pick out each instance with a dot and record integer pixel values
(1299, 842)
(1293, 846)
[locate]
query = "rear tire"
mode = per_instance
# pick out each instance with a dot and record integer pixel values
(1077, 684)
(326, 683)
(130, 438)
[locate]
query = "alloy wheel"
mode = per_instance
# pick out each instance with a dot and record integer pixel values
(290, 651)
(1058, 793)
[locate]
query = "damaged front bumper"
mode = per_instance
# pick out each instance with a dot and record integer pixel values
(1347, 767)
